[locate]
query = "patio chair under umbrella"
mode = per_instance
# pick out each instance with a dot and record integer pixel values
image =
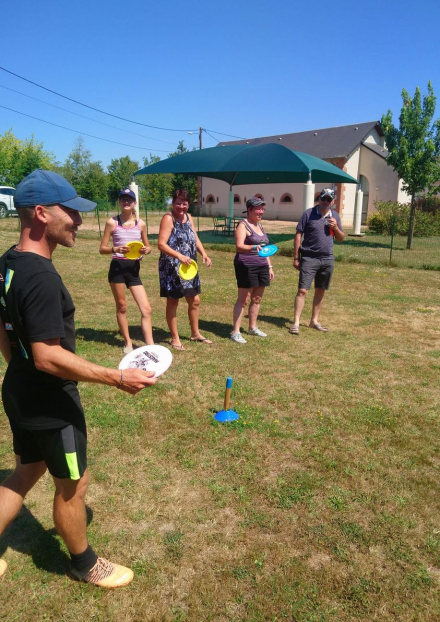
(251, 164)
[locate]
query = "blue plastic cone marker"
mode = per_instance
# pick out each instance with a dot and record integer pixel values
(226, 414)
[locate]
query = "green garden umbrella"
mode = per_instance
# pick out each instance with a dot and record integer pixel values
(237, 165)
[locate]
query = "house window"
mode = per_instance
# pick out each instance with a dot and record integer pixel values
(286, 198)
(210, 199)
(237, 198)
(260, 196)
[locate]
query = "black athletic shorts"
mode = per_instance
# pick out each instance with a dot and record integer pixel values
(315, 268)
(249, 277)
(64, 450)
(125, 271)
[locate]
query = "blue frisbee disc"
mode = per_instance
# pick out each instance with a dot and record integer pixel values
(268, 251)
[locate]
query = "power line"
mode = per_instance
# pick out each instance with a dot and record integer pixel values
(84, 117)
(107, 140)
(222, 134)
(213, 137)
(166, 129)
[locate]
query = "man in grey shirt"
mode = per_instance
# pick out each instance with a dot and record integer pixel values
(314, 257)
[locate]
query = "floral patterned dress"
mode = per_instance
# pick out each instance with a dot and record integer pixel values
(182, 240)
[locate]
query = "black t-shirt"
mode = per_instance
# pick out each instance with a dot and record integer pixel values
(36, 306)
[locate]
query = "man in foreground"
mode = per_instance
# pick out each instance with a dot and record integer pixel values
(40, 396)
(314, 257)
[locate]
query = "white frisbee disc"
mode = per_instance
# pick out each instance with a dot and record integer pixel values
(148, 358)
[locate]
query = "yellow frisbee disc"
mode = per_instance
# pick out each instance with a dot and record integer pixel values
(135, 248)
(188, 271)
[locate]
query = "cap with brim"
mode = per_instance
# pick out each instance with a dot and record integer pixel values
(48, 188)
(327, 192)
(127, 193)
(255, 202)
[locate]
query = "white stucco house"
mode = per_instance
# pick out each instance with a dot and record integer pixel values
(359, 150)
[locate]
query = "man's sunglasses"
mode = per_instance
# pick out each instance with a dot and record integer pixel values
(326, 199)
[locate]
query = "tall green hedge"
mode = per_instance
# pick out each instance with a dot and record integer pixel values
(426, 223)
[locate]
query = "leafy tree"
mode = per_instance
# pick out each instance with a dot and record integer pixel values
(120, 172)
(184, 180)
(95, 183)
(155, 189)
(414, 147)
(19, 158)
(88, 178)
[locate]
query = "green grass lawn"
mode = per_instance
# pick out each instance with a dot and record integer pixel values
(320, 503)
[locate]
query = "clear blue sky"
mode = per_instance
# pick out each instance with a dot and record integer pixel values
(234, 66)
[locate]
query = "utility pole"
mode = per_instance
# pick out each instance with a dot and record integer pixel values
(201, 182)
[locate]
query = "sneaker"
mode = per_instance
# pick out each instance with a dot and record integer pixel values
(3, 566)
(127, 349)
(238, 338)
(256, 332)
(105, 574)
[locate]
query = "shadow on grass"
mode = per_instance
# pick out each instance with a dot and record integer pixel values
(113, 338)
(26, 535)
(364, 243)
(277, 321)
(220, 329)
(224, 329)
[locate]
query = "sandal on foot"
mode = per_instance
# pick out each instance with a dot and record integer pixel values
(323, 329)
(294, 330)
(200, 339)
(177, 346)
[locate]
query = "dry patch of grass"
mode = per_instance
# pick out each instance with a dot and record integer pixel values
(320, 503)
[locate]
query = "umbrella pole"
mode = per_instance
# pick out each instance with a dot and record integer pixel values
(231, 199)
(309, 194)
(231, 203)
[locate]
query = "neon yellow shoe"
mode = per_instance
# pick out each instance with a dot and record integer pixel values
(105, 574)
(3, 566)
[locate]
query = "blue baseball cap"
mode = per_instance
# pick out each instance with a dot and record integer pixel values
(48, 188)
(127, 193)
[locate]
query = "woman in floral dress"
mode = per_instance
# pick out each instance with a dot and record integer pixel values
(178, 243)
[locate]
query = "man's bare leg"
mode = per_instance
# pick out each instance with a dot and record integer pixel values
(13, 491)
(316, 308)
(300, 300)
(69, 512)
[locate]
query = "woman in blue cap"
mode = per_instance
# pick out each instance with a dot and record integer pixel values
(123, 272)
